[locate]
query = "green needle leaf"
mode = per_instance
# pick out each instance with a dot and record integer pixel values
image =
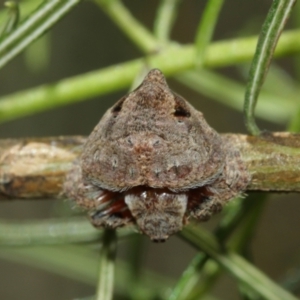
(271, 30)
(35, 25)
(13, 18)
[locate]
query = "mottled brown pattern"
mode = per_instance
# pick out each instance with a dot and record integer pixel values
(154, 161)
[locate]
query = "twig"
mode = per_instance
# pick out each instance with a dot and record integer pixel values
(36, 168)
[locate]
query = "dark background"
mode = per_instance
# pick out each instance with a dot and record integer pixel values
(86, 40)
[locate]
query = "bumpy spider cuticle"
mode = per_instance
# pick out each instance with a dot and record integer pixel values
(154, 161)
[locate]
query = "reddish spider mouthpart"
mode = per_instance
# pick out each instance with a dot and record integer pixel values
(154, 161)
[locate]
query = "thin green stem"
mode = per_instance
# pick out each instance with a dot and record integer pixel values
(230, 93)
(124, 19)
(172, 60)
(253, 207)
(271, 30)
(243, 271)
(241, 240)
(80, 263)
(35, 25)
(105, 287)
(206, 28)
(166, 15)
(241, 218)
(190, 279)
(26, 7)
(202, 272)
(13, 17)
(135, 261)
(51, 232)
(73, 262)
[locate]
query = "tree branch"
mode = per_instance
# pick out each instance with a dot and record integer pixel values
(35, 168)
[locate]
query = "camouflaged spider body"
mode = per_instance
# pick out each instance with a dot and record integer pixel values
(154, 161)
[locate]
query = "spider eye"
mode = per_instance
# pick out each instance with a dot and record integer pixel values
(118, 107)
(181, 108)
(181, 112)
